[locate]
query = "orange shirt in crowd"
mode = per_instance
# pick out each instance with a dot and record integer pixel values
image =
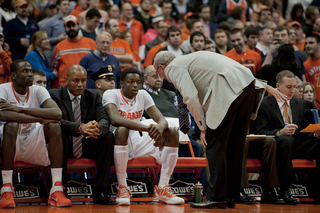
(171, 22)
(185, 34)
(120, 47)
(249, 59)
(76, 11)
(5, 62)
(312, 67)
(300, 46)
(152, 52)
(135, 3)
(242, 3)
(137, 33)
(68, 53)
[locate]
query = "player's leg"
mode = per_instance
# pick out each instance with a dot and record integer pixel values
(53, 136)
(169, 157)
(120, 161)
(10, 131)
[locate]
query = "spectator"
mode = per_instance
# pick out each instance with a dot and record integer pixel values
(194, 5)
(39, 78)
(55, 27)
(284, 60)
(227, 6)
(94, 4)
(18, 31)
(265, 40)
(271, 25)
(299, 35)
(264, 16)
(6, 13)
(309, 93)
(36, 57)
(174, 39)
(5, 62)
(189, 19)
(119, 47)
(181, 6)
(210, 46)
(221, 40)
(297, 13)
(251, 37)
(50, 10)
(67, 52)
(81, 6)
(180, 21)
(312, 13)
(197, 42)
(196, 26)
(316, 26)
(241, 54)
(144, 15)
(166, 7)
(126, 35)
(312, 65)
(114, 12)
(208, 27)
(104, 79)
(236, 15)
(152, 32)
(298, 93)
(135, 27)
(101, 58)
(90, 24)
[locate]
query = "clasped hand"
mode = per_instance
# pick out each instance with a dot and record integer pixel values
(155, 132)
(4, 106)
(91, 129)
(288, 129)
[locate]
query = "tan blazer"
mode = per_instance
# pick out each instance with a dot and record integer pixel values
(209, 83)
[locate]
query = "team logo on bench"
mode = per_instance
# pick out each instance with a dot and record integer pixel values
(25, 192)
(134, 186)
(182, 188)
(299, 191)
(75, 188)
(254, 190)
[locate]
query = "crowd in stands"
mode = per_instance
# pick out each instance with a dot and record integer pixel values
(104, 38)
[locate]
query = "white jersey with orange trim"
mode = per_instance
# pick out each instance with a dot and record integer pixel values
(138, 146)
(131, 109)
(30, 137)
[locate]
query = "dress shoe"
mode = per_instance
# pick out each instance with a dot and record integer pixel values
(269, 196)
(288, 198)
(208, 204)
(232, 204)
(103, 199)
(246, 199)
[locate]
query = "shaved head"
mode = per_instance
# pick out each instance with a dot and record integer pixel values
(76, 80)
(75, 68)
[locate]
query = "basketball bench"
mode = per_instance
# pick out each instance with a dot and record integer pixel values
(300, 166)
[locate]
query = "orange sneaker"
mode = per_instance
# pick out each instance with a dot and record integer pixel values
(123, 196)
(57, 197)
(7, 196)
(164, 195)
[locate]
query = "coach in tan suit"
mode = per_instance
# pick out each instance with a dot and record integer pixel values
(222, 95)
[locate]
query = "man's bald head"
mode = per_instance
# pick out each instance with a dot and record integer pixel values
(149, 69)
(127, 11)
(76, 80)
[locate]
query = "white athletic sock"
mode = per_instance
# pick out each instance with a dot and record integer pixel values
(56, 174)
(120, 162)
(7, 176)
(169, 157)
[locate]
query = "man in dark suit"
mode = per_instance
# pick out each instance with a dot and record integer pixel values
(85, 128)
(284, 120)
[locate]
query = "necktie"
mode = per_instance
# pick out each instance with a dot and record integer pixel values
(77, 141)
(183, 114)
(285, 113)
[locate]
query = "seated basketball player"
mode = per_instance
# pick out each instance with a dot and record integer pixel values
(125, 107)
(23, 139)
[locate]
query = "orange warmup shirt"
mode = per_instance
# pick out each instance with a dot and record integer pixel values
(68, 53)
(120, 47)
(137, 33)
(312, 67)
(242, 3)
(5, 62)
(249, 59)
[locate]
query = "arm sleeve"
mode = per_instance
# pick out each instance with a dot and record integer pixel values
(148, 101)
(3, 93)
(41, 93)
(110, 96)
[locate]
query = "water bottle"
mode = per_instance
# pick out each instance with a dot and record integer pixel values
(198, 193)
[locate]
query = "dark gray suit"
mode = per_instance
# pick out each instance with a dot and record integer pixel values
(101, 148)
(300, 145)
